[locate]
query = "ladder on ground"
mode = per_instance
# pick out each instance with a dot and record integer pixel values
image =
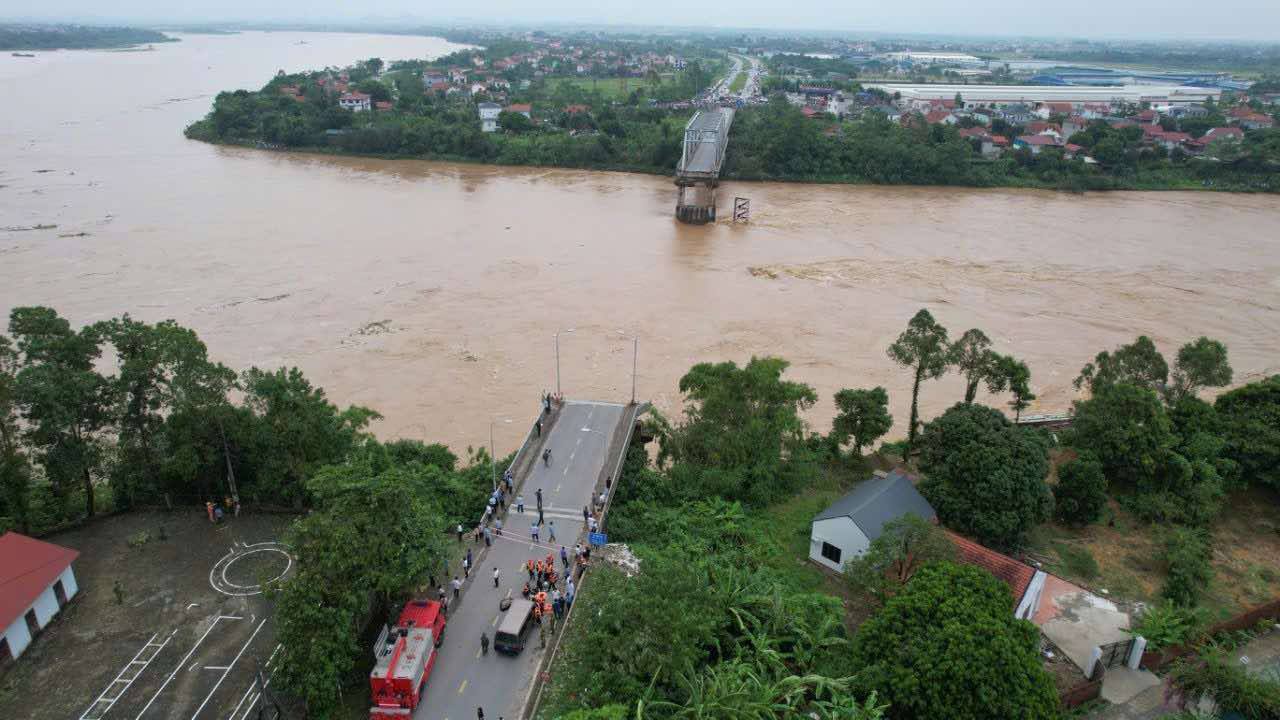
(130, 672)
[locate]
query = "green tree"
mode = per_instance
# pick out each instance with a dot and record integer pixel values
(64, 401)
(1200, 364)
(297, 430)
(1187, 554)
(1013, 375)
(514, 122)
(160, 367)
(1127, 429)
(15, 469)
(984, 475)
(973, 357)
(862, 415)
(1138, 364)
(922, 347)
(1081, 492)
(948, 646)
(1250, 417)
(904, 546)
(321, 609)
(742, 435)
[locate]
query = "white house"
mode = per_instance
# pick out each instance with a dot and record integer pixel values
(36, 581)
(845, 530)
(355, 101)
(489, 116)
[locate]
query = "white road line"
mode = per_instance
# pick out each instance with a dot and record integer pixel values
(217, 667)
(180, 665)
(226, 672)
(252, 683)
(127, 683)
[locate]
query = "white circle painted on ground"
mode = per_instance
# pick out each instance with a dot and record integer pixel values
(218, 574)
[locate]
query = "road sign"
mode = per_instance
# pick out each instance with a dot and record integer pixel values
(597, 538)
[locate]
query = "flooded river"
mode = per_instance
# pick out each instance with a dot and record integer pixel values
(432, 292)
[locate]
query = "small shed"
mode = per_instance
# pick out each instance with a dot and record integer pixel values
(845, 530)
(36, 582)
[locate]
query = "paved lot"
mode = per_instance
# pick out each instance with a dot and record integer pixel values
(463, 679)
(184, 638)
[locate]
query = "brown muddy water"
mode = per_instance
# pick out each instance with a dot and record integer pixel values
(432, 291)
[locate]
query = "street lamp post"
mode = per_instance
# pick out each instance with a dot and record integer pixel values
(635, 354)
(493, 457)
(557, 364)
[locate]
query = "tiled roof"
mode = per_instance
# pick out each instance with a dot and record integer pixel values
(1015, 574)
(27, 567)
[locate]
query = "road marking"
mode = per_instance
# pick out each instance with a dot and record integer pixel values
(127, 683)
(226, 672)
(557, 488)
(495, 620)
(217, 667)
(252, 685)
(477, 654)
(181, 664)
(462, 687)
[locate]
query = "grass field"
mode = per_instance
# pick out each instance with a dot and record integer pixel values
(739, 82)
(611, 88)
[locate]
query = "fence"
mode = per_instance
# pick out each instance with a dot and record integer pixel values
(1156, 659)
(534, 697)
(1082, 693)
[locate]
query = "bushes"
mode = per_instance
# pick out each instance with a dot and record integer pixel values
(1187, 552)
(1081, 492)
(1168, 624)
(1229, 685)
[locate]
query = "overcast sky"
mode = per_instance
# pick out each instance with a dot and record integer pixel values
(1223, 19)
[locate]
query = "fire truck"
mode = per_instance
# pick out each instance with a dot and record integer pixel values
(404, 656)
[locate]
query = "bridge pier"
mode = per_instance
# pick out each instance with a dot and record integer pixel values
(696, 202)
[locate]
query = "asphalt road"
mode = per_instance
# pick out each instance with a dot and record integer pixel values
(463, 680)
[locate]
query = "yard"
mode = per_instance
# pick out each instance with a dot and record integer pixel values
(1124, 555)
(169, 621)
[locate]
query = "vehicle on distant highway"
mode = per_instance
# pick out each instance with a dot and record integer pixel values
(404, 656)
(515, 625)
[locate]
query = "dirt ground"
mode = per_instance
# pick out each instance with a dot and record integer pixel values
(148, 611)
(1130, 554)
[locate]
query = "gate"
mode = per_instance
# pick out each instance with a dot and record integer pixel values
(1116, 654)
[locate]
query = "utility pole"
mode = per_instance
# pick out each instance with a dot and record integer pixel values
(493, 461)
(635, 354)
(557, 365)
(226, 455)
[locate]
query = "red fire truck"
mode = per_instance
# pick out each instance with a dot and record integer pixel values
(405, 655)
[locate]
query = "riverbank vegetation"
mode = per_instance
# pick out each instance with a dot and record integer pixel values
(76, 37)
(574, 125)
(722, 616)
(123, 414)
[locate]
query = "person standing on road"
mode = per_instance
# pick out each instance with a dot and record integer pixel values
(468, 557)
(484, 644)
(457, 586)
(466, 567)
(488, 538)
(520, 504)
(497, 526)
(538, 494)
(479, 713)
(546, 457)
(564, 556)
(551, 531)
(495, 577)
(533, 531)
(586, 514)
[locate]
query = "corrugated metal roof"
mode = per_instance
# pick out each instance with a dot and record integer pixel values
(877, 501)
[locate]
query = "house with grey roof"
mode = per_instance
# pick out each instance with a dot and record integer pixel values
(845, 530)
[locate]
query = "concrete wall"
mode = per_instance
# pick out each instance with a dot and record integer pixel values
(46, 607)
(842, 533)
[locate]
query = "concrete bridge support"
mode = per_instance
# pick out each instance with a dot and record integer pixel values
(696, 202)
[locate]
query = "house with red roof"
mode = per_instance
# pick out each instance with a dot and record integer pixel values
(1227, 134)
(36, 582)
(941, 117)
(524, 109)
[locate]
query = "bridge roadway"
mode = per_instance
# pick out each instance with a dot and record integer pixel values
(463, 679)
